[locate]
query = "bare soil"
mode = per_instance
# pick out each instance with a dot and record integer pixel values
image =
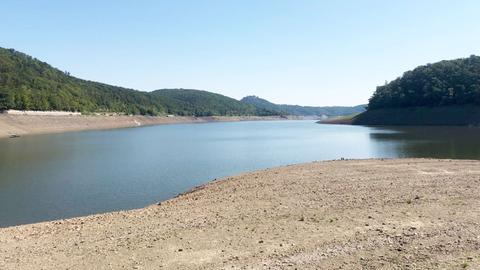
(41, 124)
(355, 214)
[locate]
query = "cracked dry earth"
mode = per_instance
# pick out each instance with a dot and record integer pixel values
(354, 214)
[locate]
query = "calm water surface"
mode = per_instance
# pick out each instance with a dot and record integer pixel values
(56, 176)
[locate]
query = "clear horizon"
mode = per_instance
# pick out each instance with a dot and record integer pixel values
(311, 53)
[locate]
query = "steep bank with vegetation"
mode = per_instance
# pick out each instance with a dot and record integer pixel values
(443, 93)
(356, 214)
(29, 84)
(467, 115)
(302, 110)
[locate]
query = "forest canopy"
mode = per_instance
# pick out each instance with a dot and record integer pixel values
(302, 110)
(453, 82)
(29, 84)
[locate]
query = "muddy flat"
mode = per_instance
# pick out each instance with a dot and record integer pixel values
(356, 214)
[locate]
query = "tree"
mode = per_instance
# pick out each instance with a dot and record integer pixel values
(29, 84)
(3, 102)
(453, 82)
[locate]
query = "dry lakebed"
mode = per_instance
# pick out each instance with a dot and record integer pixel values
(349, 214)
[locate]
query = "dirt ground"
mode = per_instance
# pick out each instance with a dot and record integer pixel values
(36, 124)
(354, 214)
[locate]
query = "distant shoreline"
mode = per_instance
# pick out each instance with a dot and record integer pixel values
(20, 125)
(342, 120)
(454, 115)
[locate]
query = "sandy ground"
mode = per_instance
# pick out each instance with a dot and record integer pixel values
(341, 120)
(35, 124)
(360, 214)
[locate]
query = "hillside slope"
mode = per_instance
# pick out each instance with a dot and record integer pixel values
(466, 115)
(203, 103)
(29, 84)
(443, 93)
(302, 110)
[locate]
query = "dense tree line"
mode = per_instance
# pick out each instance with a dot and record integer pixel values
(302, 110)
(180, 101)
(29, 84)
(454, 82)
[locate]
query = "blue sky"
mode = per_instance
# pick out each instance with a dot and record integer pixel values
(296, 52)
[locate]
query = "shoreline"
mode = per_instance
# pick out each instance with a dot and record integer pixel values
(392, 213)
(453, 115)
(21, 125)
(335, 121)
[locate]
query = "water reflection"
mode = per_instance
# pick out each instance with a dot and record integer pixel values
(428, 142)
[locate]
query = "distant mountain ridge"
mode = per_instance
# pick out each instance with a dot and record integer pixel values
(29, 84)
(203, 103)
(303, 110)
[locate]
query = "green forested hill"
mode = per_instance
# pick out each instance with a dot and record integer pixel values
(29, 84)
(443, 93)
(302, 110)
(181, 102)
(454, 82)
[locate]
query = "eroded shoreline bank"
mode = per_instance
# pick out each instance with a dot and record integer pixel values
(35, 124)
(406, 213)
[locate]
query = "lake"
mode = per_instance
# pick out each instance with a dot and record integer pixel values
(46, 177)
